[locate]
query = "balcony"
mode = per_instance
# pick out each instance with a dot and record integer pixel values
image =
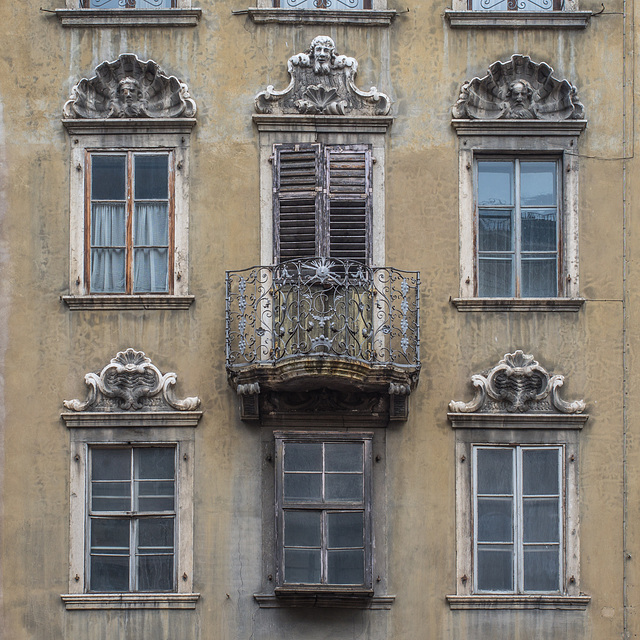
(333, 327)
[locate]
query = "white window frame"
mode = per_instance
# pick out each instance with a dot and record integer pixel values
(83, 437)
(107, 135)
(518, 139)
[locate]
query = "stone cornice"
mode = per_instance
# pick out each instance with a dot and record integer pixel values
(517, 19)
(128, 17)
(322, 124)
(518, 127)
(106, 126)
(363, 18)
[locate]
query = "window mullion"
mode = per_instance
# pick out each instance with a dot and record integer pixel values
(518, 564)
(517, 230)
(129, 227)
(133, 529)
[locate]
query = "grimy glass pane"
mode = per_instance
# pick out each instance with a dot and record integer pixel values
(150, 270)
(107, 270)
(343, 456)
(322, 4)
(538, 184)
(108, 177)
(494, 471)
(344, 487)
(130, 4)
(540, 471)
(110, 535)
(110, 464)
(539, 230)
(303, 456)
(302, 566)
(541, 519)
(495, 183)
(495, 277)
(345, 567)
(155, 495)
(302, 486)
(345, 529)
(111, 496)
(303, 529)
(108, 224)
(109, 573)
(155, 573)
(495, 519)
(495, 568)
(151, 224)
(539, 278)
(495, 230)
(151, 177)
(155, 535)
(155, 463)
(542, 568)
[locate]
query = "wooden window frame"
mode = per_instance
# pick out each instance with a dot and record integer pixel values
(283, 438)
(130, 206)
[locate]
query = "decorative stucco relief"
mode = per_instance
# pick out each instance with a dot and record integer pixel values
(322, 82)
(517, 384)
(130, 382)
(130, 88)
(519, 89)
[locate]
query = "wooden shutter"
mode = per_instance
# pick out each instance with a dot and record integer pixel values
(297, 197)
(348, 189)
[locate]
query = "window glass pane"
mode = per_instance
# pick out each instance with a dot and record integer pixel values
(109, 573)
(541, 568)
(303, 486)
(155, 535)
(495, 183)
(495, 520)
(303, 456)
(151, 180)
(155, 463)
(539, 277)
(345, 567)
(108, 225)
(155, 573)
(108, 177)
(540, 520)
(110, 535)
(495, 277)
(344, 487)
(322, 4)
(345, 529)
(538, 184)
(539, 230)
(302, 528)
(155, 495)
(495, 568)
(110, 496)
(151, 226)
(504, 5)
(540, 471)
(130, 4)
(110, 464)
(346, 456)
(151, 270)
(494, 471)
(495, 230)
(107, 270)
(302, 566)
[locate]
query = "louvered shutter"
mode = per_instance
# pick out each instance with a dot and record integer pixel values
(297, 200)
(348, 189)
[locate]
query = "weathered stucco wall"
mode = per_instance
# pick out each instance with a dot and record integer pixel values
(45, 349)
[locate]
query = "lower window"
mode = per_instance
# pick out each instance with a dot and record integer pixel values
(518, 519)
(132, 519)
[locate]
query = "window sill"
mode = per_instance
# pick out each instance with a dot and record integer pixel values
(517, 19)
(285, 597)
(518, 304)
(122, 302)
(363, 18)
(75, 601)
(578, 603)
(129, 17)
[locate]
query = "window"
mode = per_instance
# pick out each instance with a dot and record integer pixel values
(132, 517)
(322, 201)
(128, 4)
(323, 4)
(515, 5)
(517, 227)
(129, 222)
(518, 519)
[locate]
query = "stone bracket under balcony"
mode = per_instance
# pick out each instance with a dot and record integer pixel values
(319, 339)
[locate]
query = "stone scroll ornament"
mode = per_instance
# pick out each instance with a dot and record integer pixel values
(130, 88)
(519, 89)
(517, 384)
(130, 382)
(322, 83)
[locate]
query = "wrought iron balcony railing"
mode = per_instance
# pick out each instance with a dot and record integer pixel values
(322, 307)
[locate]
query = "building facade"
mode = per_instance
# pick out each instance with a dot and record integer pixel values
(317, 320)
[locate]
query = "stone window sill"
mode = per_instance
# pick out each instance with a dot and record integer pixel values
(74, 601)
(517, 19)
(129, 17)
(338, 599)
(578, 603)
(363, 18)
(122, 302)
(518, 304)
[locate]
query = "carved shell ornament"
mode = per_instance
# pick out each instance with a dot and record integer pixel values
(130, 88)
(518, 89)
(322, 83)
(517, 384)
(130, 382)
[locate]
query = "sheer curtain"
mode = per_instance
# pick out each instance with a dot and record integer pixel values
(151, 247)
(108, 253)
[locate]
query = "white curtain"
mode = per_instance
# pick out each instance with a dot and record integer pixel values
(151, 253)
(108, 242)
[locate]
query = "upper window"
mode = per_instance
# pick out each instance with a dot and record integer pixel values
(518, 218)
(322, 201)
(129, 220)
(323, 512)
(516, 5)
(323, 4)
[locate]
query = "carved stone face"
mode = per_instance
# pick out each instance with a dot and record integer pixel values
(322, 52)
(520, 93)
(520, 100)
(129, 91)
